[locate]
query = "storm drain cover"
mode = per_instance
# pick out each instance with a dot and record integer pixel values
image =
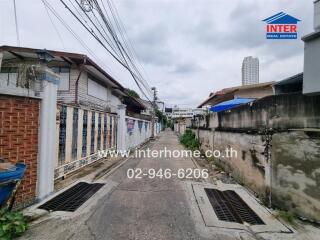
(71, 199)
(229, 206)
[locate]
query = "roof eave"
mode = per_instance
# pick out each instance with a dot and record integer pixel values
(64, 55)
(311, 36)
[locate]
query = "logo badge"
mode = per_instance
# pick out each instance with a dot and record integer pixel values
(281, 26)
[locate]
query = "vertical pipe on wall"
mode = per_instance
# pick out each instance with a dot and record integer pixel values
(76, 96)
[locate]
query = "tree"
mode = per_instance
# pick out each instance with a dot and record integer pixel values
(161, 118)
(132, 93)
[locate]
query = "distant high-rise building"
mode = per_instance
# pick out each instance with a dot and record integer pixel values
(250, 71)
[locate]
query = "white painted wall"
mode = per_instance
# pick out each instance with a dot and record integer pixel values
(136, 137)
(47, 134)
(90, 93)
(68, 150)
(68, 164)
(311, 83)
(97, 90)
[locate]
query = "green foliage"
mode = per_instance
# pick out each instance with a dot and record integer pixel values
(12, 224)
(132, 93)
(188, 139)
(170, 124)
(161, 117)
(286, 216)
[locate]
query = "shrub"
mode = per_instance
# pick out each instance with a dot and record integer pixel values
(188, 139)
(287, 216)
(12, 224)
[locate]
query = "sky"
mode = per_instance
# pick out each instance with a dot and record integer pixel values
(186, 49)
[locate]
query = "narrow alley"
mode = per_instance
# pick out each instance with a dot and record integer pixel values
(135, 208)
(170, 120)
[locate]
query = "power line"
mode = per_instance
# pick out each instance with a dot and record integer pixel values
(120, 46)
(110, 28)
(76, 36)
(55, 28)
(141, 80)
(16, 22)
(127, 51)
(127, 41)
(95, 26)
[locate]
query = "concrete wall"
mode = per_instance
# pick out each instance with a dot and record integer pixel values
(180, 126)
(296, 172)
(286, 163)
(209, 120)
(137, 132)
(249, 165)
(278, 144)
(278, 112)
(71, 140)
(205, 138)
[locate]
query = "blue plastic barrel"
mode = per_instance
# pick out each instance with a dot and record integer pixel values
(5, 176)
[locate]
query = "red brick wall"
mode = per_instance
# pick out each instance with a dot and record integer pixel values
(19, 123)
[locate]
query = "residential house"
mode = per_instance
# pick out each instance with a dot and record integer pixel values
(87, 111)
(257, 91)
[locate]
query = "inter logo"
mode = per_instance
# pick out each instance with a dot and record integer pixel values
(281, 26)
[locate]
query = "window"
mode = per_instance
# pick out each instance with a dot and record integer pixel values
(64, 73)
(75, 133)
(84, 133)
(8, 77)
(97, 90)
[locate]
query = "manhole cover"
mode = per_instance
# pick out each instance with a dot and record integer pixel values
(71, 199)
(229, 206)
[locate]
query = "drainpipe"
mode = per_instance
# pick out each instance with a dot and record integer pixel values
(76, 98)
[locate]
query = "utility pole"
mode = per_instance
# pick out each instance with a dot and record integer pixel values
(154, 105)
(162, 120)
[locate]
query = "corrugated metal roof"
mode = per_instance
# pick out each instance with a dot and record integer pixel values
(234, 89)
(14, 52)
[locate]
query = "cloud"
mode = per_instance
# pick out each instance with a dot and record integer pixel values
(186, 68)
(187, 50)
(151, 45)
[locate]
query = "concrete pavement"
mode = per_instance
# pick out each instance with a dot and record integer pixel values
(136, 208)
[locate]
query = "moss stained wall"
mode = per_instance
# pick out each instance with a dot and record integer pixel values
(296, 172)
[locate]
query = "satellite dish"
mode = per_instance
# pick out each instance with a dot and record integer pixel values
(86, 5)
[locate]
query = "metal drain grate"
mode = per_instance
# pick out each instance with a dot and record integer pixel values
(71, 199)
(230, 207)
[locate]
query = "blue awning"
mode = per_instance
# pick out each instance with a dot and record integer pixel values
(230, 104)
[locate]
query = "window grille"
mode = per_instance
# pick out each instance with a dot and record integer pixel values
(93, 120)
(75, 133)
(62, 134)
(105, 131)
(99, 131)
(84, 133)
